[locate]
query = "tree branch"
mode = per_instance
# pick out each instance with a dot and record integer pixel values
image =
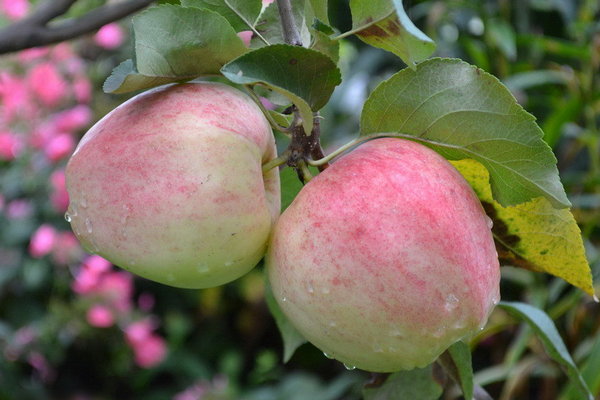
(36, 29)
(291, 35)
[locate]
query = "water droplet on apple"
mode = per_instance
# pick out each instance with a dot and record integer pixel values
(310, 288)
(451, 302)
(88, 225)
(284, 299)
(349, 367)
(203, 267)
(438, 333)
(68, 217)
(490, 223)
(229, 263)
(396, 333)
(83, 203)
(328, 355)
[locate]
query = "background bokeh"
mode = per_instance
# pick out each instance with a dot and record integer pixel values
(72, 326)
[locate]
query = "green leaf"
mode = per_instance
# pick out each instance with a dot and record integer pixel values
(319, 8)
(461, 356)
(268, 23)
(290, 186)
(124, 78)
(304, 76)
(292, 339)
(384, 24)
(463, 112)
(321, 40)
(589, 372)
(173, 41)
(502, 35)
(548, 334)
(241, 14)
(532, 235)
(407, 385)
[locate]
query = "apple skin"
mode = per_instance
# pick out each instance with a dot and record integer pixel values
(386, 258)
(169, 185)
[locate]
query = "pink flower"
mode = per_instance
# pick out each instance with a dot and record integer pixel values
(73, 119)
(62, 52)
(59, 146)
(47, 83)
(149, 349)
(59, 196)
(109, 36)
(117, 289)
(100, 316)
(267, 2)
(146, 301)
(33, 54)
(90, 275)
(97, 264)
(150, 352)
(82, 89)
(10, 146)
(14, 9)
(14, 97)
(18, 209)
(42, 241)
(40, 364)
(66, 249)
(246, 36)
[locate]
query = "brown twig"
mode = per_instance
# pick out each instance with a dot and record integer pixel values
(37, 29)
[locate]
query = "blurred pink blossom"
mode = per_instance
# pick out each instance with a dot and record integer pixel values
(66, 248)
(267, 2)
(2, 202)
(146, 301)
(14, 97)
(10, 146)
(109, 36)
(73, 119)
(90, 274)
(42, 241)
(100, 316)
(267, 103)
(59, 146)
(62, 52)
(149, 349)
(28, 55)
(59, 196)
(40, 364)
(204, 388)
(117, 289)
(20, 208)
(246, 36)
(82, 89)
(14, 9)
(47, 83)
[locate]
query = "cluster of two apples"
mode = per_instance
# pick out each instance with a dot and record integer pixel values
(382, 261)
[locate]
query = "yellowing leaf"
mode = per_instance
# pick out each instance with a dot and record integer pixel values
(532, 235)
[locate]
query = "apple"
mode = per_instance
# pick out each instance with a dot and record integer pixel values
(169, 185)
(386, 258)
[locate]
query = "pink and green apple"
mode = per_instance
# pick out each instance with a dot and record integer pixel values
(169, 185)
(386, 258)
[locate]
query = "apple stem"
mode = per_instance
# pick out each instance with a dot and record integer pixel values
(276, 162)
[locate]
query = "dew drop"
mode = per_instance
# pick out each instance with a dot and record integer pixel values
(596, 299)
(397, 333)
(309, 288)
(349, 367)
(438, 333)
(88, 225)
(203, 267)
(451, 302)
(284, 299)
(83, 203)
(229, 263)
(68, 217)
(489, 222)
(132, 262)
(328, 355)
